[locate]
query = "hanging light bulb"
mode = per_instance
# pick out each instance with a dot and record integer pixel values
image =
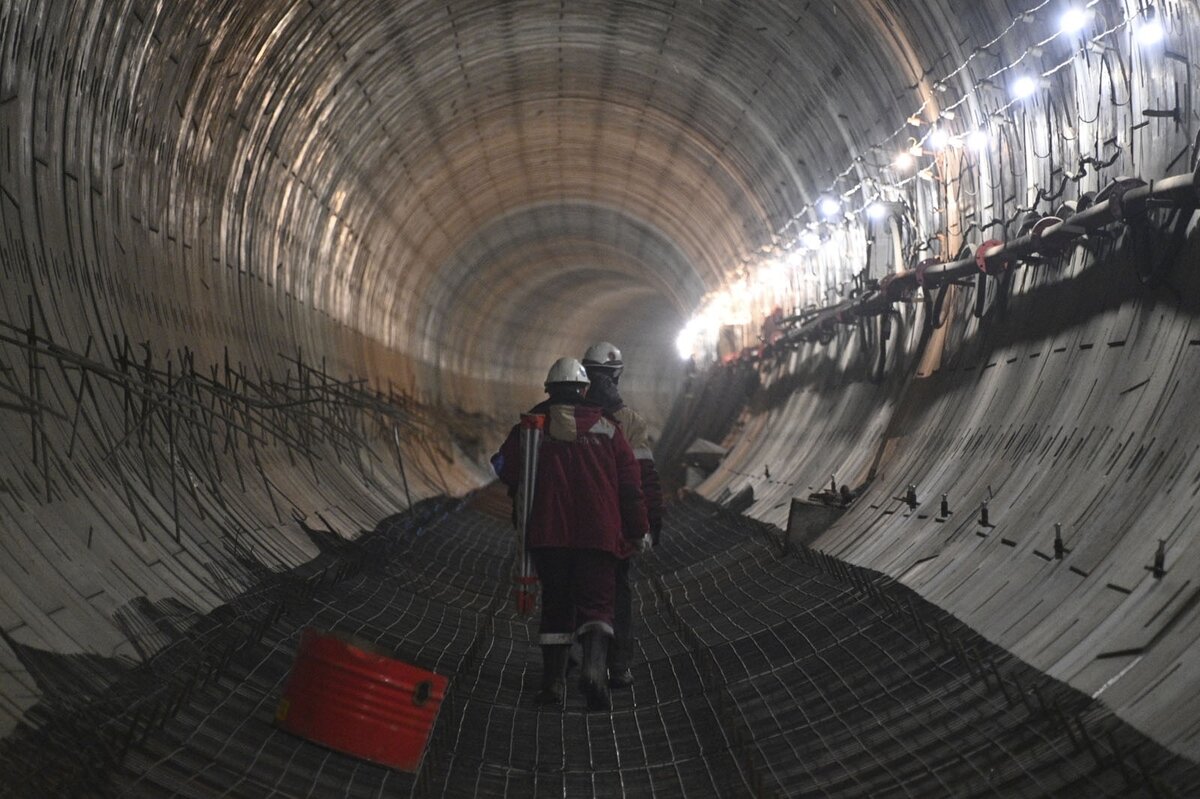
(938, 139)
(1073, 20)
(904, 161)
(877, 211)
(1024, 87)
(1149, 31)
(978, 140)
(1150, 34)
(829, 207)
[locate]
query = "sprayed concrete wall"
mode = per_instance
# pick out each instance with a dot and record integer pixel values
(1072, 407)
(245, 247)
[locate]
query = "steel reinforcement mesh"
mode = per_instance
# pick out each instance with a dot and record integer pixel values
(759, 672)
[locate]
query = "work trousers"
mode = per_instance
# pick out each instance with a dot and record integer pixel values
(578, 586)
(622, 643)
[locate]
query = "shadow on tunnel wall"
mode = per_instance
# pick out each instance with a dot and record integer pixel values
(1068, 402)
(1128, 275)
(707, 407)
(1136, 272)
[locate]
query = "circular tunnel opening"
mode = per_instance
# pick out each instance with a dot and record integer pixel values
(278, 276)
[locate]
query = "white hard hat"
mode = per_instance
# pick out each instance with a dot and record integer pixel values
(602, 353)
(567, 370)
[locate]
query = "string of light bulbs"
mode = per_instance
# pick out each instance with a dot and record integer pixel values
(830, 206)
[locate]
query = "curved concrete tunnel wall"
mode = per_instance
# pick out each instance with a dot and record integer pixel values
(441, 200)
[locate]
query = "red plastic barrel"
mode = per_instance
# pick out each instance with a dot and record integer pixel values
(343, 695)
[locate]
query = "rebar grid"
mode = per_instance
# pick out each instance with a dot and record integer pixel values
(756, 674)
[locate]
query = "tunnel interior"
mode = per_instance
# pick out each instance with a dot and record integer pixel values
(278, 276)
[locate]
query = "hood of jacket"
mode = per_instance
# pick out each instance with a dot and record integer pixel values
(567, 422)
(604, 392)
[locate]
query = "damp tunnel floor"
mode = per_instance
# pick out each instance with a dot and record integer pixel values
(759, 672)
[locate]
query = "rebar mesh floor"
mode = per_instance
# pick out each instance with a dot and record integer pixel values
(758, 673)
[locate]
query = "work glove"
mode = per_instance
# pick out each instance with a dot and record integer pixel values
(645, 544)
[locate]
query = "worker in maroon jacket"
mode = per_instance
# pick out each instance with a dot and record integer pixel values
(604, 366)
(587, 499)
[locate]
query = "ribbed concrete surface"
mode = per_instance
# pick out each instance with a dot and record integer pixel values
(255, 257)
(1073, 407)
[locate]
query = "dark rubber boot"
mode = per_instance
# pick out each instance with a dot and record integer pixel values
(554, 670)
(621, 645)
(594, 679)
(574, 659)
(620, 677)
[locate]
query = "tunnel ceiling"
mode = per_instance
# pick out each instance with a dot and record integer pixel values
(457, 182)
